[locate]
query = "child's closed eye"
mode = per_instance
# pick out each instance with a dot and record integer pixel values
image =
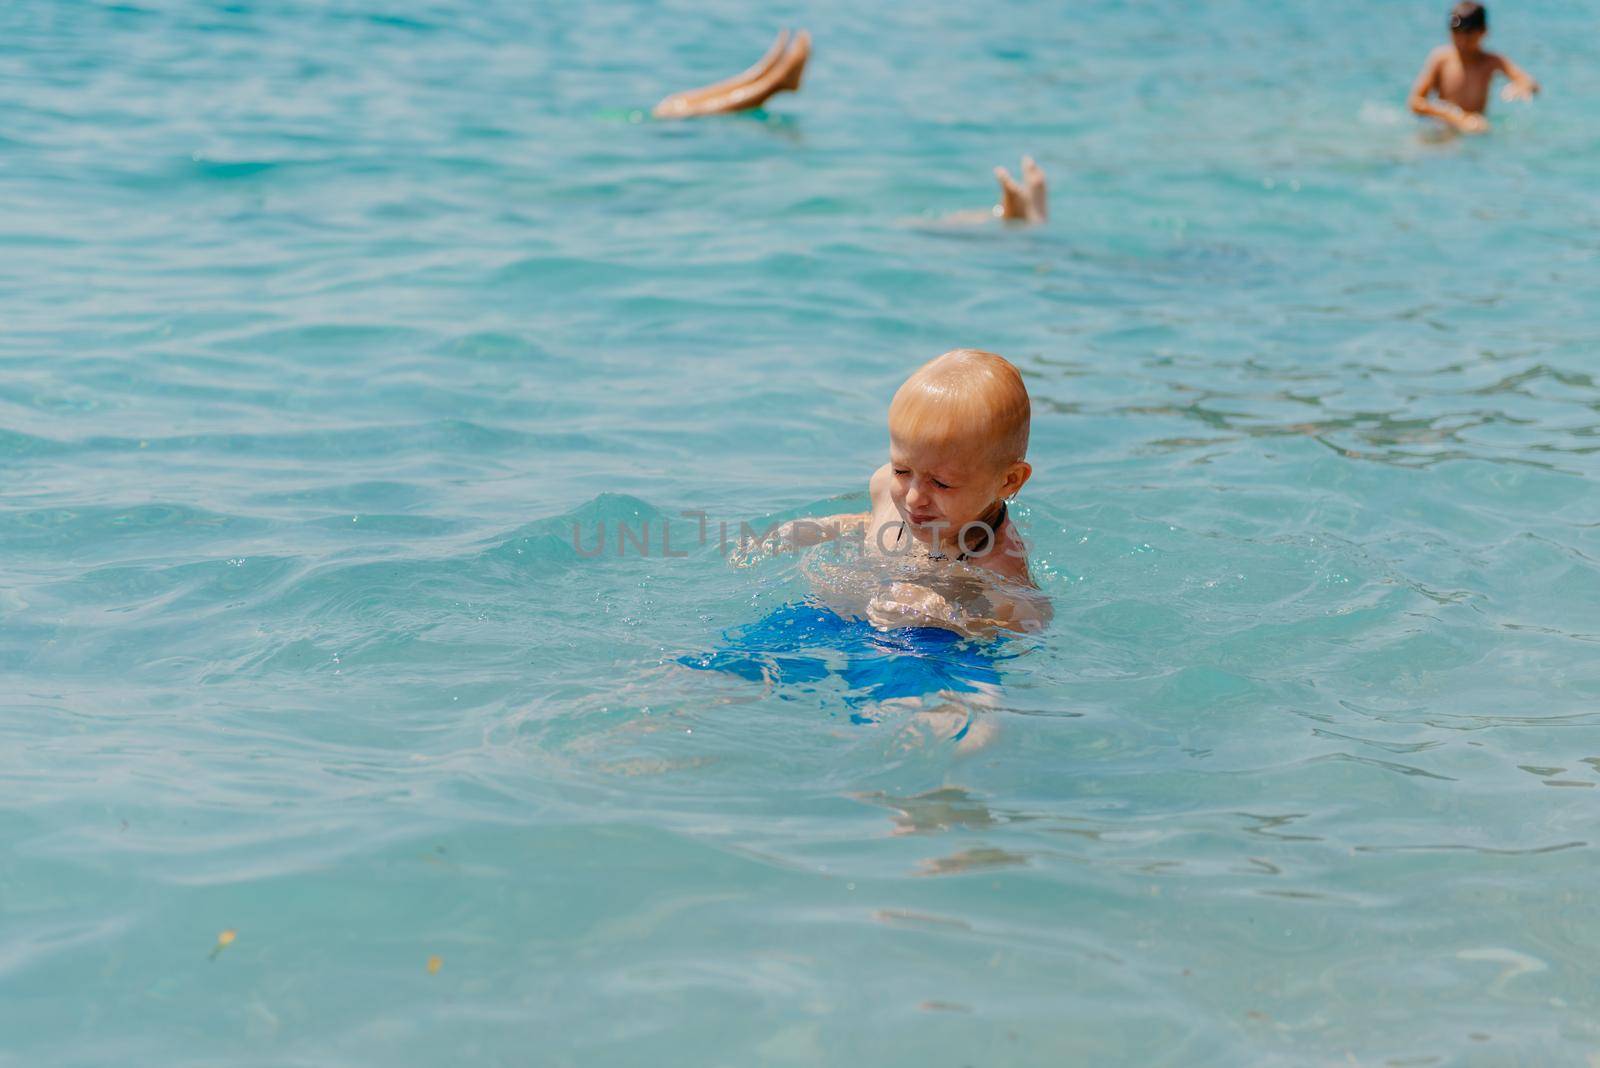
(902, 472)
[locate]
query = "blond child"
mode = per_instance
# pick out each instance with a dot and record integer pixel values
(958, 437)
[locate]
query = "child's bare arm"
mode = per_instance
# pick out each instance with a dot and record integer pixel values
(1446, 112)
(813, 530)
(799, 533)
(1026, 611)
(1017, 603)
(1522, 87)
(907, 604)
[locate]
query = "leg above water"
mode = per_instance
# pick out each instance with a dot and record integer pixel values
(780, 70)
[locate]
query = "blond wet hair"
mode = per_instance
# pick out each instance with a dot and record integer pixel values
(967, 399)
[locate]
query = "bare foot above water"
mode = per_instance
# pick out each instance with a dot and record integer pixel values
(1027, 201)
(779, 71)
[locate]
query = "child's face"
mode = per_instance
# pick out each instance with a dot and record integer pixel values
(1468, 41)
(938, 489)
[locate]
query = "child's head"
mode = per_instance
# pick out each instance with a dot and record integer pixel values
(958, 435)
(1469, 21)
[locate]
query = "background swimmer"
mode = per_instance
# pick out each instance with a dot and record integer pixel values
(1460, 74)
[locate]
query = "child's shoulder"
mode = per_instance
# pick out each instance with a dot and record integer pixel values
(1008, 559)
(878, 484)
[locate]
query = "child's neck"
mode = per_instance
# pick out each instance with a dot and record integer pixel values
(977, 540)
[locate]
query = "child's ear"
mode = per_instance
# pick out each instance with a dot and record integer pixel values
(1016, 477)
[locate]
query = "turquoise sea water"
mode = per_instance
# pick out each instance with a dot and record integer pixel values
(321, 324)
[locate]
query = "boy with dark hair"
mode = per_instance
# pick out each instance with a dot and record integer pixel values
(1461, 71)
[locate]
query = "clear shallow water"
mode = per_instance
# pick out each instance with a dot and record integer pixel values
(323, 324)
